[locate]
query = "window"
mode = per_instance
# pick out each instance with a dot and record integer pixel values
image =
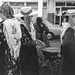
(60, 3)
(5, 2)
(45, 4)
(57, 16)
(32, 4)
(57, 11)
(16, 3)
(57, 21)
(70, 4)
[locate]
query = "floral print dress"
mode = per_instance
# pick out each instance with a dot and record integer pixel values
(8, 64)
(28, 54)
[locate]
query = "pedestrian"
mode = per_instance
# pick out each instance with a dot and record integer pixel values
(41, 31)
(10, 43)
(68, 46)
(28, 52)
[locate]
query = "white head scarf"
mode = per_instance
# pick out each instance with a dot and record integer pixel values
(65, 26)
(13, 35)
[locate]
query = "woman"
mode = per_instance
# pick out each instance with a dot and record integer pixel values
(10, 43)
(68, 48)
(28, 52)
(41, 31)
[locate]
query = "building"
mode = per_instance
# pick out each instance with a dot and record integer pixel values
(51, 9)
(56, 8)
(17, 4)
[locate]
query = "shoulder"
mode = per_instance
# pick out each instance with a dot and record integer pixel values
(70, 29)
(69, 32)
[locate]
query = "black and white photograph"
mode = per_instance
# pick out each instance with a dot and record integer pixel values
(37, 37)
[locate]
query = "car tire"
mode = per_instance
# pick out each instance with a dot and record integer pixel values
(50, 35)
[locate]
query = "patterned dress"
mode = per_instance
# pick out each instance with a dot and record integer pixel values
(28, 54)
(8, 64)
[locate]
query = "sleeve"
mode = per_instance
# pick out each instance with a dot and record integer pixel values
(46, 29)
(67, 40)
(69, 35)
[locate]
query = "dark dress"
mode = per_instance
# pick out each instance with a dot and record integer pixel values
(68, 52)
(28, 54)
(7, 63)
(2, 51)
(41, 33)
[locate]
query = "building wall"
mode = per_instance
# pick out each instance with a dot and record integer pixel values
(1, 1)
(55, 10)
(32, 3)
(50, 10)
(64, 0)
(22, 0)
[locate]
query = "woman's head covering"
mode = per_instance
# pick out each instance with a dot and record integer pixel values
(7, 10)
(71, 21)
(71, 15)
(66, 24)
(39, 20)
(26, 10)
(12, 32)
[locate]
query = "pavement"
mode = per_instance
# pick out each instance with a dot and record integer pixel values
(55, 42)
(52, 67)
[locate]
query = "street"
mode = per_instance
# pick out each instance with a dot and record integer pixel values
(55, 42)
(52, 66)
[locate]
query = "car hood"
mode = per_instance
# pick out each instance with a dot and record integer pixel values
(50, 25)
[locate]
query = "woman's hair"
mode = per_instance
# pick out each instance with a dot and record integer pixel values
(39, 20)
(6, 10)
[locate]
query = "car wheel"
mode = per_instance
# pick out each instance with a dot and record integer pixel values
(50, 35)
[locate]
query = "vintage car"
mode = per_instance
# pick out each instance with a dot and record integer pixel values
(54, 30)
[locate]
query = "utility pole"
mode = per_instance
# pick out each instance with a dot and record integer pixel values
(40, 8)
(1, 2)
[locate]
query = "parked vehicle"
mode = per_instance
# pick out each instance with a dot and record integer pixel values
(54, 30)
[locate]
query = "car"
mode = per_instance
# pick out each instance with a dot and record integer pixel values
(54, 30)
